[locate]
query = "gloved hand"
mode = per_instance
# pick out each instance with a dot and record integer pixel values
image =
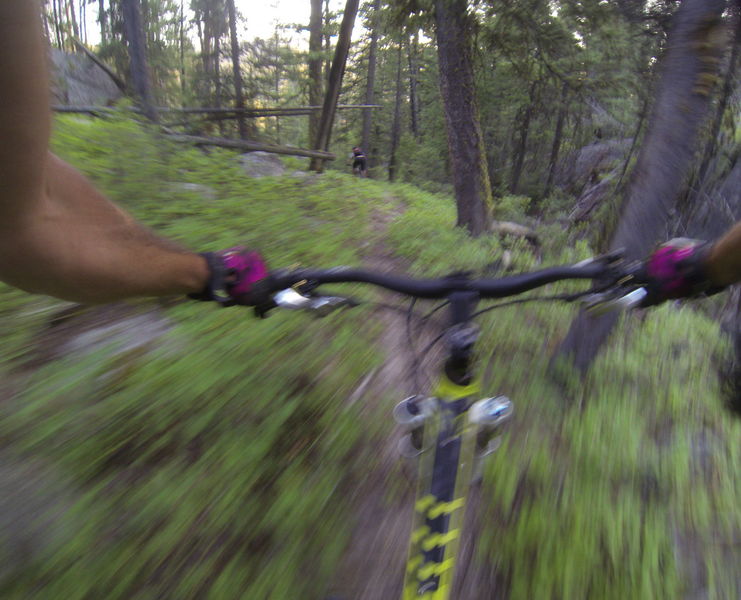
(677, 270)
(234, 276)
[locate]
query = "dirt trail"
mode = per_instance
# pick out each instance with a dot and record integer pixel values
(373, 567)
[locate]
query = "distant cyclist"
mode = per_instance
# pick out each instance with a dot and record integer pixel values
(359, 162)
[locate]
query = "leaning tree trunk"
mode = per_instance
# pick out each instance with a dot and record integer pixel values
(684, 95)
(137, 55)
(370, 82)
(335, 82)
(465, 141)
(315, 67)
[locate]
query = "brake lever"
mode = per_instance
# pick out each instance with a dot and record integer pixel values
(321, 306)
(602, 303)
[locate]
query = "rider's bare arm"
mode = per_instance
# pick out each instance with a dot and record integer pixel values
(724, 261)
(58, 234)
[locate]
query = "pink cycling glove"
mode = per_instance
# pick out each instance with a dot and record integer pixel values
(233, 275)
(677, 270)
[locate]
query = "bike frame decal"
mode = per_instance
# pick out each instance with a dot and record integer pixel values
(441, 495)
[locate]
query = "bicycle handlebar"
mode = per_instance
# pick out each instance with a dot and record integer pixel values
(309, 279)
(617, 290)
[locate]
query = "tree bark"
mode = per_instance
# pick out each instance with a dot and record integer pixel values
(73, 18)
(102, 20)
(57, 28)
(370, 82)
(556, 147)
(396, 127)
(236, 70)
(217, 78)
(723, 103)
(522, 143)
(413, 77)
(688, 75)
(137, 56)
(182, 53)
(335, 82)
(465, 141)
(83, 21)
(315, 66)
(45, 22)
(327, 41)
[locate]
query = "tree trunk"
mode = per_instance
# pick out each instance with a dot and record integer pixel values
(327, 41)
(137, 55)
(556, 147)
(182, 54)
(57, 27)
(522, 143)
(396, 127)
(102, 20)
(217, 78)
(83, 21)
(413, 94)
(722, 104)
(315, 67)
(236, 70)
(335, 82)
(465, 142)
(73, 18)
(689, 73)
(370, 82)
(204, 33)
(45, 21)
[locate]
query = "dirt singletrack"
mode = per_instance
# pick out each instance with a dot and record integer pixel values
(374, 563)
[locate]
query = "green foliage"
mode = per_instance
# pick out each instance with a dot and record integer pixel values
(512, 208)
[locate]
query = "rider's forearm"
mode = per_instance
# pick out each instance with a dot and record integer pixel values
(724, 261)
(76, 245)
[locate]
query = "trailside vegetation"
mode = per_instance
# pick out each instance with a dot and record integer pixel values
(183, 450)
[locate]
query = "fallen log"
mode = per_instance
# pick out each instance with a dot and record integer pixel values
(516, 230)
(228, 113)
(249, 146)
